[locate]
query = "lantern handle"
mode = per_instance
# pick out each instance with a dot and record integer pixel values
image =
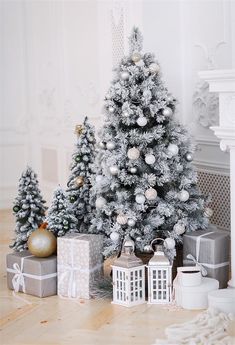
(156, 239)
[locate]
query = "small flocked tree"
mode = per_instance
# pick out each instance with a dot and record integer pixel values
(60, 220)
(28, 209)
(146, 185)
(78, 191)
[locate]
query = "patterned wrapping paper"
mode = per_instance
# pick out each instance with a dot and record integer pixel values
(80, 262)
(29, 274)
(211, 250)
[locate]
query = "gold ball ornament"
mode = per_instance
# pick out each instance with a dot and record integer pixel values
(42, 242)
(79, 181)
(78, 129)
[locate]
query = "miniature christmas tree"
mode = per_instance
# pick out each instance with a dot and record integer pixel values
(60, 219)
(78, 192)
(146, 185)
(28, 208)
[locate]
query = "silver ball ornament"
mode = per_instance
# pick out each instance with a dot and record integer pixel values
(101, 145)
(111, 109)
(100, 202)
(208, 212)
(114, 170)
(110, 145)
(114, 236)
(133, 153)
(136, 57)
(179, 228)
(133, 170)
(125, 75)
(151, 194)
(167, 112)
(126, 113)
(183, 195)
(173, 149)
(122, 219)
(150, 159)
(131, 222)
(148, 248)
(169, 243)
(189, 157)
(138, 239)
(170, 98)
(140, 198)
(142, 121)
(154, 68)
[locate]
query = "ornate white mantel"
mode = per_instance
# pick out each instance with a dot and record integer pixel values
(223, 82)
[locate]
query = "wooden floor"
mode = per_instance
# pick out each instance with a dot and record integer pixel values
(29, 320)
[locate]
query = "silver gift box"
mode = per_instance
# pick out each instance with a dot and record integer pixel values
(29, 274)
(211, 249)
(80, 262)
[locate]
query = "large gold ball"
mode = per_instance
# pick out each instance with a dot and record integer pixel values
(42, 243)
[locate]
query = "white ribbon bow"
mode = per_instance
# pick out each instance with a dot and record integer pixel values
(192, 258)
(18, 278)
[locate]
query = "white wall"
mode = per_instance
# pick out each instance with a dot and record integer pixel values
(56, 60)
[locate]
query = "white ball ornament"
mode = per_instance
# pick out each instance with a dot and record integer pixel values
(142, 121)
(113, 170)
(121, 219)
(183, 195)
(150, 159)
(125, 75)
(151, 194)
(208, 212)
(154, 68)
(136, 57)
(111, 109)
(173, 149)
(126, 113)
(114, 236)
(100, 202)
(140, 198)
(133, 153)
(179, 228)
(169, 243)
(167, 112)
(110, 145)
(133, 170)
(131, 222)
(101, 145)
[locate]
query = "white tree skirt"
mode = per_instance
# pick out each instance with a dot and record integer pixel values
(207, 328)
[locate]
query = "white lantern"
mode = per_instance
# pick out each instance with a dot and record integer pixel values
(159, 277)
(128, 277)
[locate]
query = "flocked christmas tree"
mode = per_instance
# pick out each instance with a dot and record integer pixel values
(28, 209)
(60, 219)
(146, 185)
(78, 191)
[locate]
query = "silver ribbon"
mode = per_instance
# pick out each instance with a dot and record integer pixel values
(18, 279)
(196, 260)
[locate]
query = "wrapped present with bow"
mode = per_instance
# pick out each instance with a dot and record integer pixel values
(80, 262)
(208, 249)
(31, 275)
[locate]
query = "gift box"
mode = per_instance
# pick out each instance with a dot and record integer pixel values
(210, 250)
(80, 263)
(194, 297)
(29, 274)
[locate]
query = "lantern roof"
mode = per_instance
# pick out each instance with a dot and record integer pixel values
(128, 260)
(159, 258)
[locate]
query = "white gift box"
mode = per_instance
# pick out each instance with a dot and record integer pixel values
(194, 297)
(79, 263)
